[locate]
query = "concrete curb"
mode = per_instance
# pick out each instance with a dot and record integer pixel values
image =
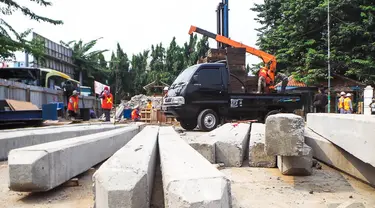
(126, 179)
(189, 180)
(45, 166)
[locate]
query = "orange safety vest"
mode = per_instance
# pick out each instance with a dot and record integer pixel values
(341, 102)
(134, 114)
(347, 103)
(107, 102)
(73, 103)
(263, 73)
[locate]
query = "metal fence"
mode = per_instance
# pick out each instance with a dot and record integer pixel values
(40, 95)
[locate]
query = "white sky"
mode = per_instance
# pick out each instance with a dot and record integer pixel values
(137, 24)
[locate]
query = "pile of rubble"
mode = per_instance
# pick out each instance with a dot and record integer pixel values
(141, 100)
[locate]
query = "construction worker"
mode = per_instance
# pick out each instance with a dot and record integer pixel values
(135, 114)
(320, 101)
(372, 106)
(149, 104)
(348, 107)
(341, 102)
(284, 81)
(107, 103)
(262, 80)
(73, 105)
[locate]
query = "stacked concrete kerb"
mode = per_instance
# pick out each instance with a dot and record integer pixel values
(353, 133)
(23, 138)
(335, 156)
(285, 139)
(126, 179)
(45, 166)
(230, 149)
(257, 154)
(189, 180)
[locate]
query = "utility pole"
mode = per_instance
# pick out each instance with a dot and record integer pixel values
(329, 58)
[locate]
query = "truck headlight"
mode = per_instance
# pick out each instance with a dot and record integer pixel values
(178, 100)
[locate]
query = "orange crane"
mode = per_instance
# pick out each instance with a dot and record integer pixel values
(268, 59)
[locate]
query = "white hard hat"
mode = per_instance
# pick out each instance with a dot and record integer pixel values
(165, 88)
(75, 92)
(348, 95)
(342, 93)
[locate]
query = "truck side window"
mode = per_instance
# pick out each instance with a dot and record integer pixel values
(209, 77)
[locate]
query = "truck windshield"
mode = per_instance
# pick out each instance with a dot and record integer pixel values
(184, 76)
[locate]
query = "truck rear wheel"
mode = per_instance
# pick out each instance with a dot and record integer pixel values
(188, 124)
(208, 120)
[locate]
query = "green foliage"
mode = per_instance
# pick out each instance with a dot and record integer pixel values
(296, 32)
(12, 41)
(89, 63)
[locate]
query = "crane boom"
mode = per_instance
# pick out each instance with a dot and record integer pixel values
(268, 59)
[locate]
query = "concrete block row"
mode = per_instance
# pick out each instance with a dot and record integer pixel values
(353, 133)
(285, 139)
(45, 166)
(335, 156)
(257, 154)
(226, 144)
(189, 180)
(24, 138)
(126, 179)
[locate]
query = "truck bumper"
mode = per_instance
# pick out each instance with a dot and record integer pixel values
(178, 111)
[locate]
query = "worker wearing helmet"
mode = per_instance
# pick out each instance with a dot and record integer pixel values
(341, 102)
(73, 105)
(107, 102)
(135, 114)
(262, 80)
(348, 107)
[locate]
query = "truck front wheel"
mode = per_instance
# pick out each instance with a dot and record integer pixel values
(208, 120)
(188, 124)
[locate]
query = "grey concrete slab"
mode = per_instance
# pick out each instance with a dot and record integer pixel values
(353, 133)
(334, 156)
(257, 153)
(232, 144)
(189, 180)
(18, 139)
(45, 166)
(126, 179)
(284, 135)
(296, 165)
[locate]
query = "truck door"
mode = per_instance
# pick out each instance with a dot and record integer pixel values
(210, 86)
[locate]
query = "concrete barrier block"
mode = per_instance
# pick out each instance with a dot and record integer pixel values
(233, 142)
(126, 179)
(205, 146)
(257, 154)
(284, 135)
(353, 133)
(336, 157)
(22, 138)
(296, 165)
(45, 166)
(189, 180)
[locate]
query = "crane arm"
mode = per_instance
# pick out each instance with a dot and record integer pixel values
(268, 59)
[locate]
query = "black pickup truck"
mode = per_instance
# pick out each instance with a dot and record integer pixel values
(201, 96)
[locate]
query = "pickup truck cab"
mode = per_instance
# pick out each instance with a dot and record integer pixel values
(201, 96)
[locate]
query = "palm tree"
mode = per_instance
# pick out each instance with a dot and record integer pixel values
(86, 61)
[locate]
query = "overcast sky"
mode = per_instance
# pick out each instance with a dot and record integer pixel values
(137, 24)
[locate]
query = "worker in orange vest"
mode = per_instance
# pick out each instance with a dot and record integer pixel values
(341, 103)
(262, 80)
(107, 103)
(73, 105)
(135, 114)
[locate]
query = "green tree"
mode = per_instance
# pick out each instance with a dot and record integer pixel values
(296, 32)
(11, 40)
(85, 59)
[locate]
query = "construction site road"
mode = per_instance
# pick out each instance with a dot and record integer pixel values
(251, 188)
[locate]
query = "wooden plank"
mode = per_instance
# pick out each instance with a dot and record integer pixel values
(17, 105)
(235, 51)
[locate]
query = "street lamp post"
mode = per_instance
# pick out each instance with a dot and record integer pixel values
(329, 64)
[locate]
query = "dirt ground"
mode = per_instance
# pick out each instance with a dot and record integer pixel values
(251, 188)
